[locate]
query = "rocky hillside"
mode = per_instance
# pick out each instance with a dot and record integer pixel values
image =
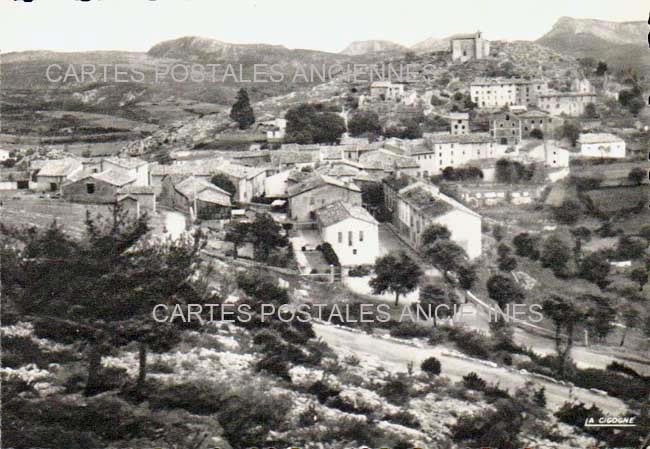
(201, 49)
(432, 44)
(614, 32)
(372, 46)
(619, 43)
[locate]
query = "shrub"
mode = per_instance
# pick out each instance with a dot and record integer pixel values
(360, 271)
(410, 330)
(329, 254)
(472, 343)
(472, 381)
(622, 368)
(431, 366)
(494, 428)
(198, 397)
(404, 418)
(539, 397)
(274, 364)
(322, 391)
(267, 338)
(396, 390)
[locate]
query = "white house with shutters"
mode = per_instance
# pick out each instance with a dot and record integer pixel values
(601, 145)
(352, 232)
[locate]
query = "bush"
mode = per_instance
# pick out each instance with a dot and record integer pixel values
(472, 343)
(329, 254)
(431, 366)
(576, 414)
(274, 364)
(494, 428)
(396, 390)
(267, 338)
(472, 381)
(322, 391)
(410, 330)
(613, 383)
(360, 271)
(404, 418)
(622, 368)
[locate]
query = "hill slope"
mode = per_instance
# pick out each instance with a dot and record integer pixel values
(619, 43)
(372, 46)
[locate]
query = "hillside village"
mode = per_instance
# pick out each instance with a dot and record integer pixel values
(502, 173)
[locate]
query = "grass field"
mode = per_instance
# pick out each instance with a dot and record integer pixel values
(30, 210)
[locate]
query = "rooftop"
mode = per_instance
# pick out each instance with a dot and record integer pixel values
(452, 138)
(191, 186)
(339, 211)
(114, 177)
(503, 81)
(130, 162)
(599, 138)
(58, 167)
(398, 183)
(426, 202)
(384, 159)
(318, 180)
(291, 157)
(567, 94)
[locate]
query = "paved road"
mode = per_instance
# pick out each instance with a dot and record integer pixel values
(395, 357)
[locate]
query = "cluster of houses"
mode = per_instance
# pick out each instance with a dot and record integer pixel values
(489, 93)
(321, 186)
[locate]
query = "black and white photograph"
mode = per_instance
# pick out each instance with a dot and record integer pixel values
(324, 225)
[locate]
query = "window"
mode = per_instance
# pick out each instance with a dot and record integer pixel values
(90, 188)
(311, 201)
(340, 237)
(354, 252)
(361, 236)
(349, 238)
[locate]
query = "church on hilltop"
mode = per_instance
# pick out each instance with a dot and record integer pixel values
(469, 46)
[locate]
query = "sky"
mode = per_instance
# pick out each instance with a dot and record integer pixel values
(330, 25)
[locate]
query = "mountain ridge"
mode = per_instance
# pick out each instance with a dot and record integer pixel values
(622, 44)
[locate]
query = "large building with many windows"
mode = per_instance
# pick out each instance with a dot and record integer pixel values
(499, 92)
(509, 128)
(449, 150)
(569, 103)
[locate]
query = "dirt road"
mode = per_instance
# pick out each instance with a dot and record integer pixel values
(395, 356)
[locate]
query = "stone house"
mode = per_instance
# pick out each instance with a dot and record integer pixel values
(318, 191)
(134, 167)
(465, 47)
(386, 90)
(190, 194)
(54, 173)
(98, 188)
(568, 103)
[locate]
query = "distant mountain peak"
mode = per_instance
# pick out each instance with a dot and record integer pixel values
(357, 48)
(622, 44)
(614, 32)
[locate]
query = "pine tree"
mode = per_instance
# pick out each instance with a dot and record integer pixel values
(101, 290)
(241, 111)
